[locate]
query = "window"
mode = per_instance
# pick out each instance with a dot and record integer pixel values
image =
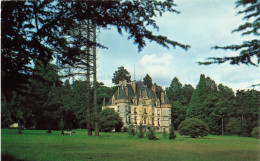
(145, 121)
(153, 121)
(135, 110)
(135, 119)
(145, 110)
(158, 112)
(158, 121)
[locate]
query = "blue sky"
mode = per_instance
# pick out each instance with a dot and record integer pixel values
(201, 24)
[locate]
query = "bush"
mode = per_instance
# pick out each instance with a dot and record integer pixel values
(164, 133)
(141, 133)
(193, 127)
(109, 120)
(131, 130)
(172, 134)
(256, 132)
(151, 134)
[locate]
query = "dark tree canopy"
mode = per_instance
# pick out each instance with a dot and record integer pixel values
(120, 75)
(148, 81)
(248, 49)
(193, 127)
(38, 30)
(109, 120)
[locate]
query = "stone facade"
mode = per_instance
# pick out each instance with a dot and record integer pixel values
(136, 104)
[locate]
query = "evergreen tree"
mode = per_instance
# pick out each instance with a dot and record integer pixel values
(250, 48)
(187, 91)
(29, 31)
(131, 130)
(199, 95)
(151, 134)
(174, 92)
(148, 81)
(141, 131)
(120, 75)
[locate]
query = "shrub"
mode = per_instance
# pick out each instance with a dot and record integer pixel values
(256, 132)
(172, 134)
(151, 134)
(193, 127)
(109, 120)
(131, 130)
(164, 133)
(141, 133)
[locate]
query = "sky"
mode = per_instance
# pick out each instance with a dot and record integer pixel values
(201, 24)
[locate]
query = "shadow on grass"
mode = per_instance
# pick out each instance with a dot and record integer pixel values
(198, 138)
(9, 157)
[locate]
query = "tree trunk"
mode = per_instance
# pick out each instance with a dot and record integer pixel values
(222, 128)
(88, 83)
(95, 83)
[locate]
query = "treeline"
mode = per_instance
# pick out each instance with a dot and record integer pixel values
(224, 111)
(49, 103)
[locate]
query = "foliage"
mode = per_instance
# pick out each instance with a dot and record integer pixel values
(120, 75)
(172, 134)
(109, 120)
(236, 126)
(256, 132)
(38, 30)
(164, 133)
(174, 92)
(250, 48)
(140, 134)
(193, 127)
(131, 130)
(151, 134)
(148, 81)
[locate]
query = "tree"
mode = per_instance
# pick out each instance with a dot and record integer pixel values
(109, 120)
(248, 49)
(120, 75)
(151, 134)
(141, 132)
(199, 95)
(131, 130)
(187, 91)
(37, 30)
(148, 81)
(193, 127)
(174, 92)
(172, 134)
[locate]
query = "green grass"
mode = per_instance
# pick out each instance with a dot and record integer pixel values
(40, 146)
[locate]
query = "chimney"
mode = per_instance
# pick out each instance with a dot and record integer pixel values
(162, 97)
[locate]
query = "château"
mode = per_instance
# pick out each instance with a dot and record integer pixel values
(137, 104)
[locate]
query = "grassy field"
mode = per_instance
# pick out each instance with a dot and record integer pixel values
(40, 146)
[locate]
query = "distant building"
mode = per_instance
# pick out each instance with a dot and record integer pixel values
(136, 104)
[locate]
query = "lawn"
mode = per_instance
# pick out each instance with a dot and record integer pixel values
(39, 146)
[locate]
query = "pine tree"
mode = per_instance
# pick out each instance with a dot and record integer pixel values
(141, 131)
(148, 81)
(250, 48)
(120, 75)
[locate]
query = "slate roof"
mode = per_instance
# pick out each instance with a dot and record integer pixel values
(140, 88)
